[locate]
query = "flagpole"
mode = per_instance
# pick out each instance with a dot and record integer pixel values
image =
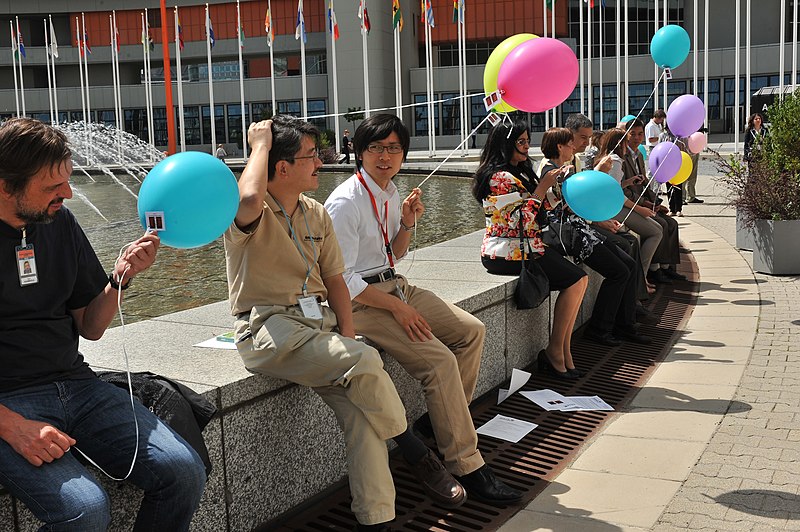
(627, 76)
(14, 48)
(705, 62)
(54, 49)
(365, 55)
(553, 34)
(81, 51)
(666, 21)
(20, 44)
(302, 23)
(656, 73)
(590, 96)
(147, 93)
(117, 91)
(49, 77)
(86, 67)
(600, 62)
(618, 35)
(210, 84)
(271, 58)
(428, 104)
(747, 58)
(694, 48)
(150, 118)
(460, 79)
(465, 124)
(169, 106)
(737, 71)
(794, 47)
(781, 54)
(581, 64)
(398, 97)
(114, 69)
(179, 72)
(240, 31)
(544, 34)
(336, 127)
(433, 121)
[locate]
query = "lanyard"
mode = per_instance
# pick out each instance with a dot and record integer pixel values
(24, 236)
(384, 227)
(309, 267)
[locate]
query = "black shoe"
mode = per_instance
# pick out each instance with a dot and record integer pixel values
(645, 316)
(440, 485)
(633, 336)
(484, 486)
(657, 277)
(577, 373)
(602, 338)
(423, 429)
(696, 200)
(672, 274)
(544, 365)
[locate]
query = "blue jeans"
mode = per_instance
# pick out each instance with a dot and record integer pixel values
(66, 495)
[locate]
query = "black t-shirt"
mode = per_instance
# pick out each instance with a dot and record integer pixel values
(38, 338)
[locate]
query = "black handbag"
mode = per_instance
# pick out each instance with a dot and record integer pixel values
(533, 286)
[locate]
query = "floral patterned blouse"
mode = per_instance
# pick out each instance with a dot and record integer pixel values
(507, 198)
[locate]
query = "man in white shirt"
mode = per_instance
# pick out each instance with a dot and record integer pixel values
(435, 341)
(652, 133)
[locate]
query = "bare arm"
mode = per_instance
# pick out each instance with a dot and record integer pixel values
(36, 441)
(413, 209)
(93, 319)
(339, 300)
(253, 181)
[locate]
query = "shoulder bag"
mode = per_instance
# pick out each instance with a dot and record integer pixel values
(533, 287)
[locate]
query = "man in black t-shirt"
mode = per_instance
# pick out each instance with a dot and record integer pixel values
(52, 406)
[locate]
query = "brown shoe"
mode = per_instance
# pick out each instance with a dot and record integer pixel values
(440, 485)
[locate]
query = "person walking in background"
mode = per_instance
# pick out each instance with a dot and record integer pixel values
(221, 153)
(653, 130)
(347, 145)
(754, 135)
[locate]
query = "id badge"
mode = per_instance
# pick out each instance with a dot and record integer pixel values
(26, 265)
(310, 307)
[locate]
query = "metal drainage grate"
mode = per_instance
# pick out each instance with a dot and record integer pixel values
(615, 374)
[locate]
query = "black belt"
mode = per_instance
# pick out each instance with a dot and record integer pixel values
(385, 275)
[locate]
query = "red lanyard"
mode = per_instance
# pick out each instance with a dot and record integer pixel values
(384, 227)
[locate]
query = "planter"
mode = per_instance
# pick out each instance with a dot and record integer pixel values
(775, 249)
(745, 236)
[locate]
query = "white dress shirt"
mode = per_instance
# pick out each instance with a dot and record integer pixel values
(357, 228)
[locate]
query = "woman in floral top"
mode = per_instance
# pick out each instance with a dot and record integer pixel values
(507, 188)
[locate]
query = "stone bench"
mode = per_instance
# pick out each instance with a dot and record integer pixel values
(275, 444)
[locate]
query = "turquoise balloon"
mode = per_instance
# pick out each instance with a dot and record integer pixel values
(643, 151)
(197, 194)
(593, 195)
(670, 46)
(627, 118)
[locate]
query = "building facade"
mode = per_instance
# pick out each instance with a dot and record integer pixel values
(487, 23)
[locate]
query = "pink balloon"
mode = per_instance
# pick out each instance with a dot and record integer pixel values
(685, 115)
(665, 161)
(538, 75)
(697, 142)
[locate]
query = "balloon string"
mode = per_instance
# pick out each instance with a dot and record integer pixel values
(653, 177)
(640, 110)
(455, 150)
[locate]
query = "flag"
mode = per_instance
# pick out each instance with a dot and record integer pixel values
(147, 38)
(180, 34)
(14, 50)
(458, 11)
(116, 36)
(428, 9)
(333, 26)
(364, 16)
(211, 32)
(86, 43)
(20, 44)
(53, 42)
(268, 28)
(241, 37)
(397, 15)
(300, 28)
(550, 4)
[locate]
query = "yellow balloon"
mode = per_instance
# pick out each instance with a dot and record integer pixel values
(494, 63)
(685, 170)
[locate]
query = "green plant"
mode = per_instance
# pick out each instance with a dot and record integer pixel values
(353, 114)
(768, 187)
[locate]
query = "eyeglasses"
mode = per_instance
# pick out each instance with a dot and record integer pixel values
(315, 155)
(379, 148)
(523, 142)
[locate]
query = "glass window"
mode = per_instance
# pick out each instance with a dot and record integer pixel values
(729, 91)
(451, 114)
(136, 123)
(77, 116)
(713, 104)
(219, 124)
(191, 121)
(160, 126)
(40, 116)
(106, 116)
(638, 94)
(674, 89)
(291, 107)
(262, 111)
(478, 112)
(609, 118)
(235, 122)
(317, 108)
(421, 116)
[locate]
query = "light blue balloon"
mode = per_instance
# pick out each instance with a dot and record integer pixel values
(670, 46)
(627, 118)
(593, 195)
(197, 194)
(643, 151)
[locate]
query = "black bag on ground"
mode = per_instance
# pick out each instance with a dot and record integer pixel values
(180, 407)
(533, 287)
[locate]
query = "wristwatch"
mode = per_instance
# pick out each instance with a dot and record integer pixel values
(407, 227)
(115, 285)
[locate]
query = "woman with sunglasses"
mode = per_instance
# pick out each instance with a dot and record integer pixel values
(507, 187)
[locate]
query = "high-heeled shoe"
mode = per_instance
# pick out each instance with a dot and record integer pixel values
(544, 364)
(577, 373)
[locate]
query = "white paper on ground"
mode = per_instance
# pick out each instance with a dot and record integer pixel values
(216, 344)
(548, 399)
(587, 402)
(506, 428)
(518, 380)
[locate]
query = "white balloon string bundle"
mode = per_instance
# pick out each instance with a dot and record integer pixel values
(120, 281)
(644, 189)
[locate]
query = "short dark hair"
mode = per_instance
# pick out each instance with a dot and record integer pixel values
(378, 127)
(501, 144)
(659, 114)
(630, 124)
(551, 140)
(27, 146)
(578, 121)
(287, 137)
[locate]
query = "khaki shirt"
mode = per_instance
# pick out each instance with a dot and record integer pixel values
(265, 267)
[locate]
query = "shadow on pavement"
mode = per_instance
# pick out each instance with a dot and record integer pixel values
(764, 503)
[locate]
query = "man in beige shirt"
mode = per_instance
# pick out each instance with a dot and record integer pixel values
(283, 261)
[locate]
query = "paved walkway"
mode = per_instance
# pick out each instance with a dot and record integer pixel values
(712, 442)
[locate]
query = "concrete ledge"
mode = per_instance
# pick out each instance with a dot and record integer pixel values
(275, 444)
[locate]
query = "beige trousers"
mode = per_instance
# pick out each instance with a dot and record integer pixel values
(447, 366)
(349, 376)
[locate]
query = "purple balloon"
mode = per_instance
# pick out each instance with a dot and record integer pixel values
(665, 161)
(685, 115)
